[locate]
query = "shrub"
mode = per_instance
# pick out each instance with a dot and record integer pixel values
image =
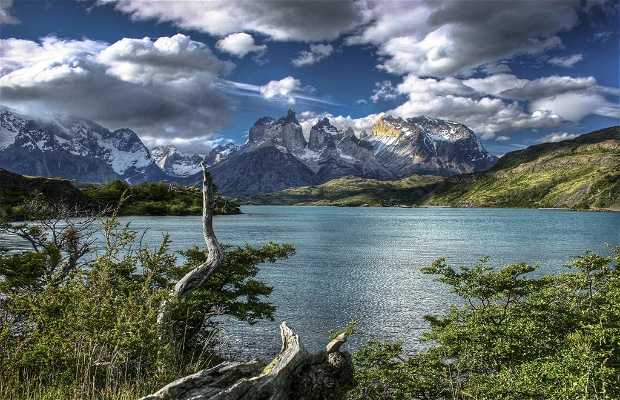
(86, 325)
(517, 337)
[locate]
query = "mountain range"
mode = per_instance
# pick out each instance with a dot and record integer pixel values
(582, 173)
(277, 154)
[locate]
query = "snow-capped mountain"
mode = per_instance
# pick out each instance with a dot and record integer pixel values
(73, 148)
(174, 162)
(427, 145)
(220, 153)
(179, 164)
(278, 156)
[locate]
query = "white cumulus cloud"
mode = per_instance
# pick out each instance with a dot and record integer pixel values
(307, 21)
(162, 87)
(384, 90)
(5, 13)
(566, 61)
(240, 44)
(447, 37)
(557, 137)
(284, 88)
(316, 53)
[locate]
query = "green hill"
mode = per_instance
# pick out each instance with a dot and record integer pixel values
(15, 189)
(352, 191)
(580, 173)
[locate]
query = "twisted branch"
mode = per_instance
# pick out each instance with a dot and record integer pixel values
(199, 275)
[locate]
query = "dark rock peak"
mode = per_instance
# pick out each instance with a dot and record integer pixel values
(323, 122)
(290, 118)
(264, 121)
(126, 133)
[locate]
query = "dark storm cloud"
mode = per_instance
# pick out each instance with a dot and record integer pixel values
(279, 20)
(127, 84)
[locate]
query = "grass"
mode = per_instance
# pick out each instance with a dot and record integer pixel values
(354, 192)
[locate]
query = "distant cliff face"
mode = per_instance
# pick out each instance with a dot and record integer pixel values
(394, 148)
(428, 145)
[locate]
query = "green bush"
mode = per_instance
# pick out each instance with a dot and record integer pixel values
(86, 327)
(154, 198)
(517, 337)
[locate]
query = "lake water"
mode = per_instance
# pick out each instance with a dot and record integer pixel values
(364, 264)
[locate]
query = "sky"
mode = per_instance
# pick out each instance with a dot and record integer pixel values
(198, 73)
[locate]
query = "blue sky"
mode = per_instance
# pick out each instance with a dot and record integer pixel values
(517, 73)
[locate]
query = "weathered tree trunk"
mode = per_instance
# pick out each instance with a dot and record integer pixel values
(197, 276)
(293, 374)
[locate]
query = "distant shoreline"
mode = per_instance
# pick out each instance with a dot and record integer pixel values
(614, 210)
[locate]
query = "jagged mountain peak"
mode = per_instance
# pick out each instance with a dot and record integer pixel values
(286, 133)
(74, 148)
(324, 124)
(175, 162)
(290, 117)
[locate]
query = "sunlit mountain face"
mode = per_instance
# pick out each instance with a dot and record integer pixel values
(192, 80)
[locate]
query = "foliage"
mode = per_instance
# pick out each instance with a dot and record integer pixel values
(516, 337)
(154, 198)
(79, 319)
(348, 330)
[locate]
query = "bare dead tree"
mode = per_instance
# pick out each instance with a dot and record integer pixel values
(197, 277)
(294, 374)
(215, 255)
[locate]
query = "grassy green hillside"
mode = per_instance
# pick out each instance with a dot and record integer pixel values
(580, 173)
(353, 192)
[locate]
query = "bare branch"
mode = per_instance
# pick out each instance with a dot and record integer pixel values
(197, 277)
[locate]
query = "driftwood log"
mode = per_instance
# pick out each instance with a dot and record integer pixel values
(294, 374)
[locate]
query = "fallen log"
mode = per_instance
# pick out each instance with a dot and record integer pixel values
(293, 374)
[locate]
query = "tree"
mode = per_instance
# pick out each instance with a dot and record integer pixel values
(517, 336)
(85, 316)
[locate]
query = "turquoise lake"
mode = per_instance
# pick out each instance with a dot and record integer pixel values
(364, 264)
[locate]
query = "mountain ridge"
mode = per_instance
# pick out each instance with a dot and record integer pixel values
(423, 144)
(581, 173)
(276, 155)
